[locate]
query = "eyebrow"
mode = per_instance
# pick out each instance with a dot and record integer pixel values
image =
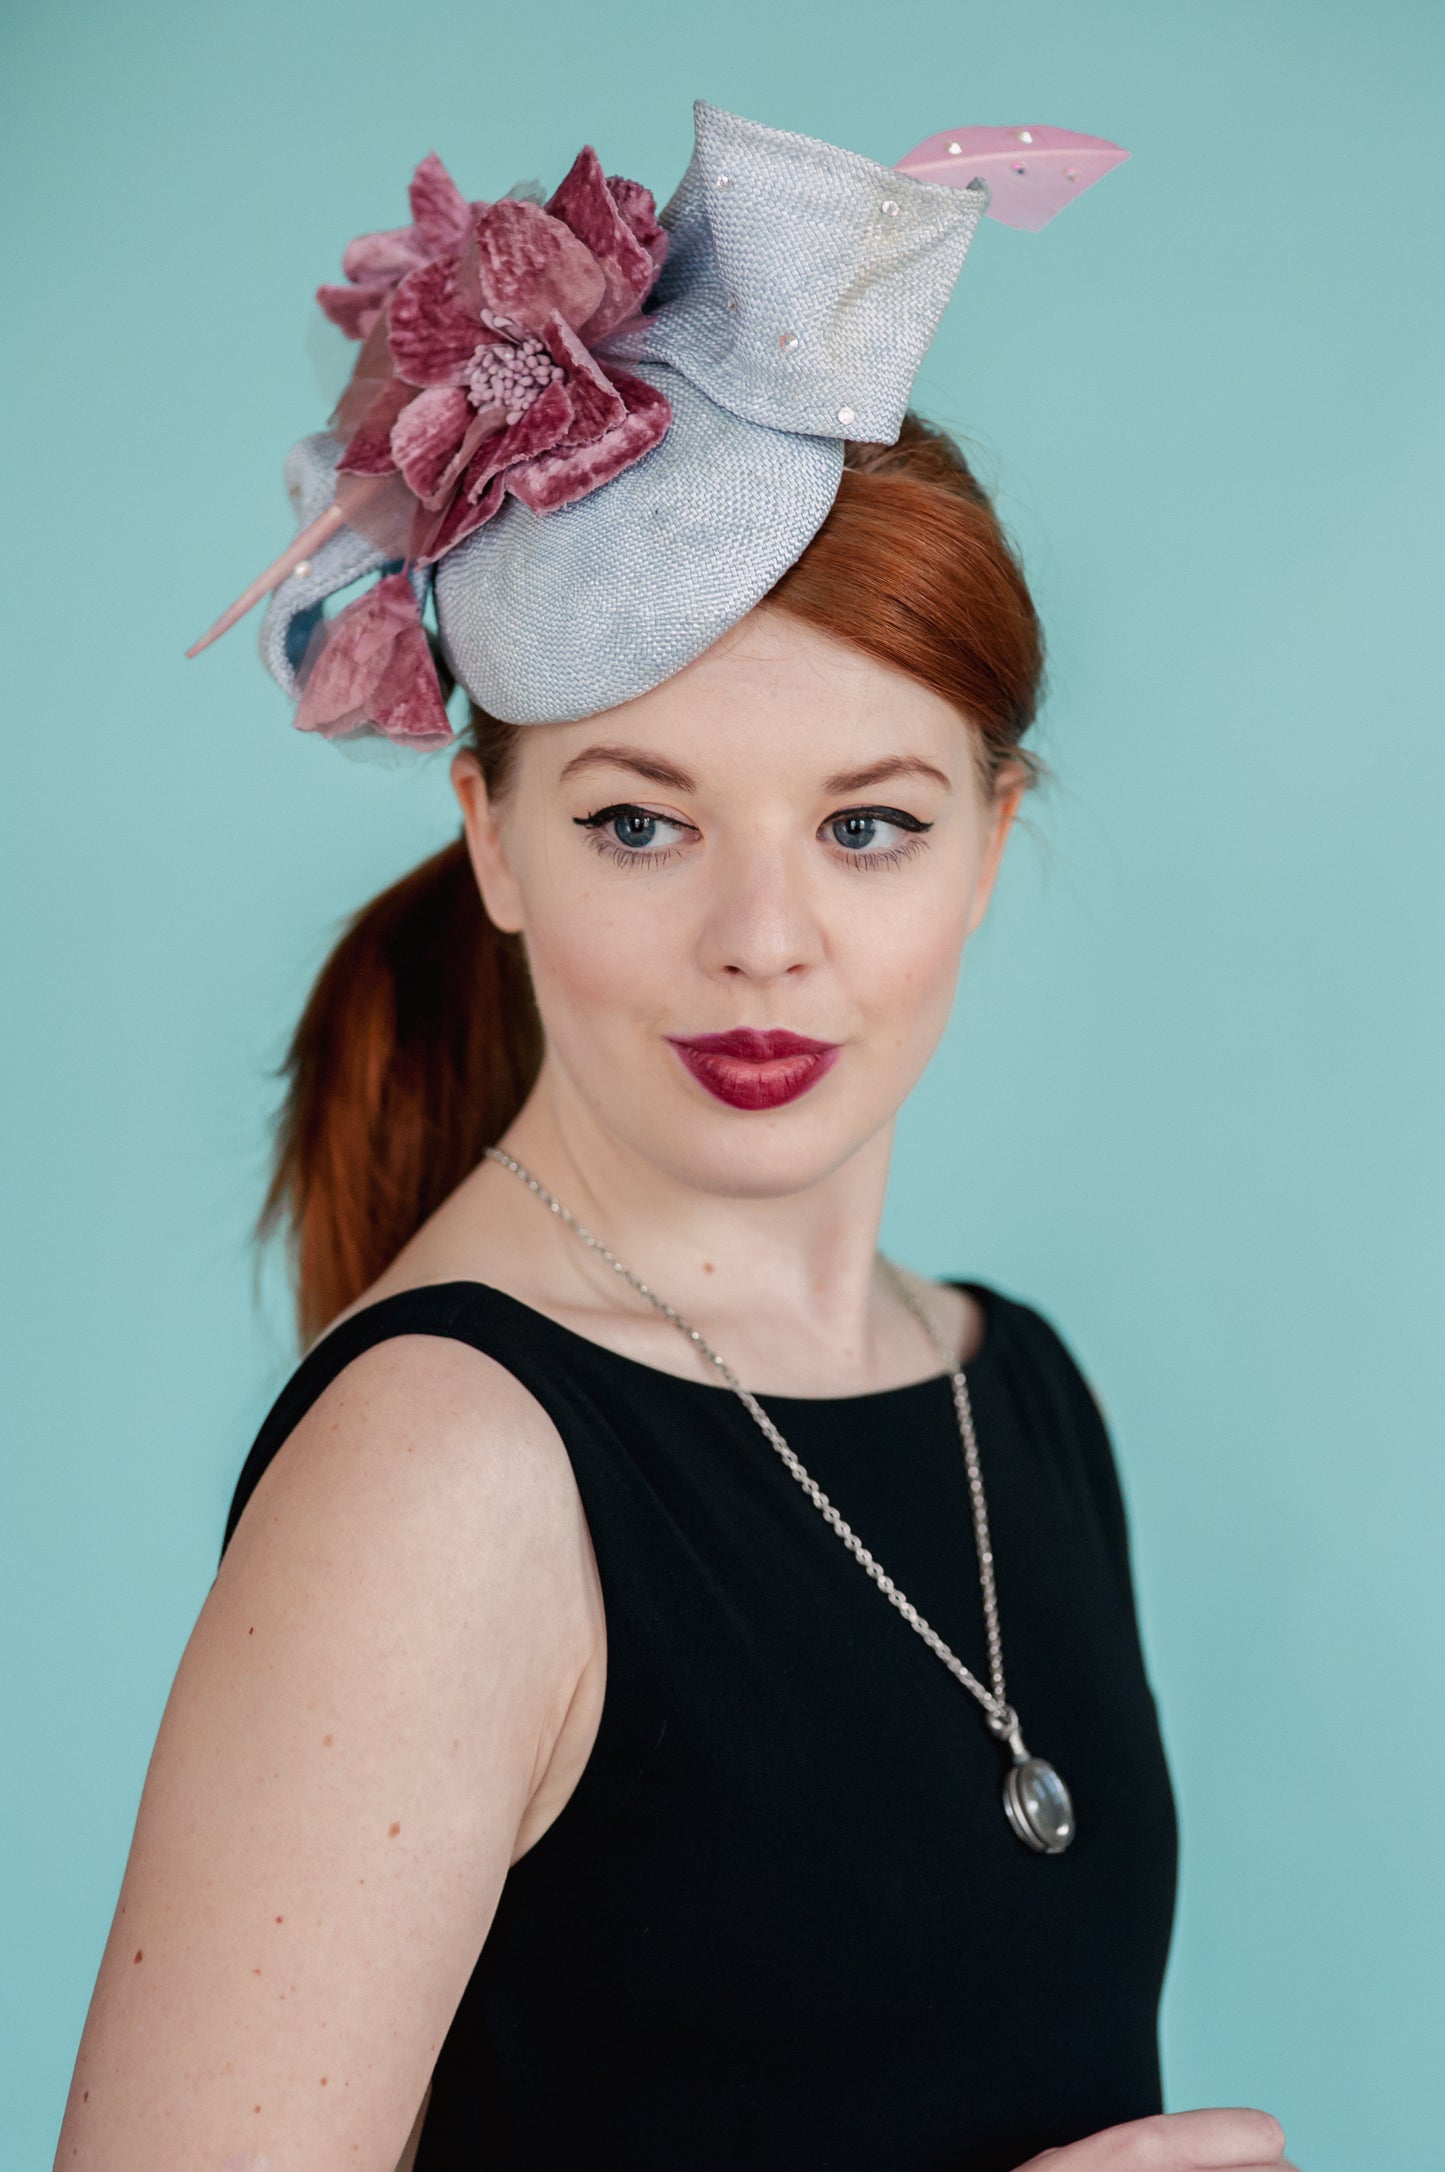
(894, 765)
(658, 771)
(635, 758)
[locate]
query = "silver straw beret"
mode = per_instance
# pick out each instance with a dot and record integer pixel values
(800, 287)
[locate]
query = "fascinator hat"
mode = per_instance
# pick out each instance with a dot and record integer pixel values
(593, 435)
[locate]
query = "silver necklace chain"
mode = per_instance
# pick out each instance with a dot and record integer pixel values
(1000, 1716)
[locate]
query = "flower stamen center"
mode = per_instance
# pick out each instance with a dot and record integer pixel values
(510, 374)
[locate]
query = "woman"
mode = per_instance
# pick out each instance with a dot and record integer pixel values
(539, 1749)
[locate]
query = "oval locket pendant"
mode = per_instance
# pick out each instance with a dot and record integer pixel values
(1038, 1805)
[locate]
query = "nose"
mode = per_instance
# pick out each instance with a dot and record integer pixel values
(761, 919)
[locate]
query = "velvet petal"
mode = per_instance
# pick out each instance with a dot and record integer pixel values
(531, 264)
(558, 478)
(638, 206)
(467, 279)
(407, 705)
(547, 422)
(425, 439)
(383, 259)
(434, 534)
(441, 212)
(584, 203)
(376, 667)
(473, 500)
(368, 450)
(433, 338)
(354, 309)
(596, 403)
(473, 430)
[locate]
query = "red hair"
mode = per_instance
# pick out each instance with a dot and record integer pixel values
(421, 1040)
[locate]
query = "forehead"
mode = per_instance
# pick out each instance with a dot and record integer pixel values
(775, 692)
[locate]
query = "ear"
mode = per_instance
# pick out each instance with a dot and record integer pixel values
(999, 812)
(501, 895)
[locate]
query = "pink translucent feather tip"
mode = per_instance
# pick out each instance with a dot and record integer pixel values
(1032, 173)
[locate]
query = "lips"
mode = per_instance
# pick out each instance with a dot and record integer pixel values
(753, 1069)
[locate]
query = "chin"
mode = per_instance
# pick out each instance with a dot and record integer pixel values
(748, 1153)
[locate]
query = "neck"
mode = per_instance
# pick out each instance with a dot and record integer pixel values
(796, 1270)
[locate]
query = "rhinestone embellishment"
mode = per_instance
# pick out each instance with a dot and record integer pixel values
(888, 208)
(724, 181)
(787, 341)
(846, 415)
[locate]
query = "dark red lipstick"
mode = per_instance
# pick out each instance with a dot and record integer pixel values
(750, 1069)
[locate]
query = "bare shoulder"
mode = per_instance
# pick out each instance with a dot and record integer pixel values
(372, 1692)
(956, 1314)
(427, 1428)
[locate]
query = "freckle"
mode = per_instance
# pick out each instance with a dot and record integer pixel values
(255, 1972)
(252, 1630)
(326, 1741)
(86, 2098)
(138, 1951)
(707, 1267)
(391, 1833)
(323, 2081)
(255, 2107)
(280, 1919)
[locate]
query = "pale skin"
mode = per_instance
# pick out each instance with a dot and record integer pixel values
(395, 1681)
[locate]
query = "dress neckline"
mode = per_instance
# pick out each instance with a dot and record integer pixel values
(982, 1359)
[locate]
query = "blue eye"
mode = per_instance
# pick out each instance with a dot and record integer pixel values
(634, 827)
(855, 829)
(626, 834)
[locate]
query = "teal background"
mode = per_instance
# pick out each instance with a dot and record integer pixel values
(1190, 1102)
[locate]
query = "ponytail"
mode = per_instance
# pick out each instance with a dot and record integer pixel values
(419, 1043)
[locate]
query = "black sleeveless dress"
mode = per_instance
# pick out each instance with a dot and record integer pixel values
(783, 1921)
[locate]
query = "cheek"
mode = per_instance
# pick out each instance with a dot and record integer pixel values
(904, 964)
(597, 959)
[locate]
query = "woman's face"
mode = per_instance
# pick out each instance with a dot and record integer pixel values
(785, 835)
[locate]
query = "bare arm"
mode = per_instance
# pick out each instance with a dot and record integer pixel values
(370, 1697)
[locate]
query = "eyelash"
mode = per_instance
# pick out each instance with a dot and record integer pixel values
(593, 824)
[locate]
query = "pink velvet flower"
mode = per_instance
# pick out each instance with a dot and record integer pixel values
(479, 375)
